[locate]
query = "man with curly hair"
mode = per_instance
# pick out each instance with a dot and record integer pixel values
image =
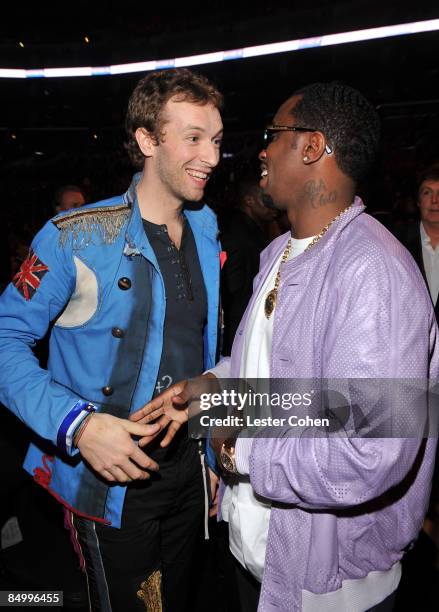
(134, 307)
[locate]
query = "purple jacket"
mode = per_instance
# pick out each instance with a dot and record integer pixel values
(353, 306)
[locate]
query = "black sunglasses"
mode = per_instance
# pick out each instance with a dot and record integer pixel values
(271, 130)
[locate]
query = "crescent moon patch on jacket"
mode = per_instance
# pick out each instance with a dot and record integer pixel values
(84, 301)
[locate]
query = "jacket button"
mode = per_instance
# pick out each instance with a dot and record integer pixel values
(117, 332)
(124, 283)
(107, 390)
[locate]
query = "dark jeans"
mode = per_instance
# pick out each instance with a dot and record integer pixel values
(249, 590)
(160, 523)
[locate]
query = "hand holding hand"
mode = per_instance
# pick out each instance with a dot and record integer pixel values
(107, 445)
(173, 406)
(170, 408)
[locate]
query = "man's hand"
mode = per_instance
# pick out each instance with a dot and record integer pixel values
(173, 405)
(107, 445)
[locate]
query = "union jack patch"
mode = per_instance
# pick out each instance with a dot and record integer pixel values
(28, 278)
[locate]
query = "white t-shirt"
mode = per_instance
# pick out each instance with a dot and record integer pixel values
(248, 514)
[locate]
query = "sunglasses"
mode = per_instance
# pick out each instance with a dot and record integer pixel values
(271, 130)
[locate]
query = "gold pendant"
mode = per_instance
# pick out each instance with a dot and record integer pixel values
(270, 302)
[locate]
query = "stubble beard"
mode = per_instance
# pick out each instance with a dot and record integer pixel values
(173, 181)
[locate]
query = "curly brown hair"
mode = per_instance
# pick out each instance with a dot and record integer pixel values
(146, 103)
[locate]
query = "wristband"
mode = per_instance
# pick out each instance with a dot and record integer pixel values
(80, 430)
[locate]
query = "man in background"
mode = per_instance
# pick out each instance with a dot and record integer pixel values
(68, 197)
(422, 239)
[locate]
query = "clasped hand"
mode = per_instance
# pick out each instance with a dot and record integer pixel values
(108, 443)
(171, 408)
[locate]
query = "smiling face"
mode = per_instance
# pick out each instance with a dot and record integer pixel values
(428, 202)
(188, 151)
(281, 166)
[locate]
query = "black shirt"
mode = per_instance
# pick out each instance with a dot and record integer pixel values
(186, 309)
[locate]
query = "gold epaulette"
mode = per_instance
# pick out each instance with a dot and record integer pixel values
(83, 224)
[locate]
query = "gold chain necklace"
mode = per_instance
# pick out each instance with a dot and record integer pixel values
(270, 300)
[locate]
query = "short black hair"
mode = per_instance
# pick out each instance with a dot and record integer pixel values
(62, 190)
(428, 174)
(349, 122)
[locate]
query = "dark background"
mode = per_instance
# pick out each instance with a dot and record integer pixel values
(70, 130)
(56, 130)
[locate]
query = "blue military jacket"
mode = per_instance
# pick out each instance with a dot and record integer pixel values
(88, 272)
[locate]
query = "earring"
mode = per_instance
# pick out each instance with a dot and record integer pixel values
(306, 158)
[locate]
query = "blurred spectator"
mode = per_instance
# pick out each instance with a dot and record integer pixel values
(244, 234)
(422, 239)
(22, 229)
(68, 197)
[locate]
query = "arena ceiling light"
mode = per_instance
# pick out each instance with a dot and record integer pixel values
(299, 44)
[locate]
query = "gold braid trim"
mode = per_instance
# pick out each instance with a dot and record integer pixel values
(150, 592)
(107, 221)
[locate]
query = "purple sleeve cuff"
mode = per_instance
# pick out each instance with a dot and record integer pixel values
(70, 424)
(243, 448)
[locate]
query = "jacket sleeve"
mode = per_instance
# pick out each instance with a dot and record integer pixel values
(34, 298)
(222, 368)
(383, 328)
